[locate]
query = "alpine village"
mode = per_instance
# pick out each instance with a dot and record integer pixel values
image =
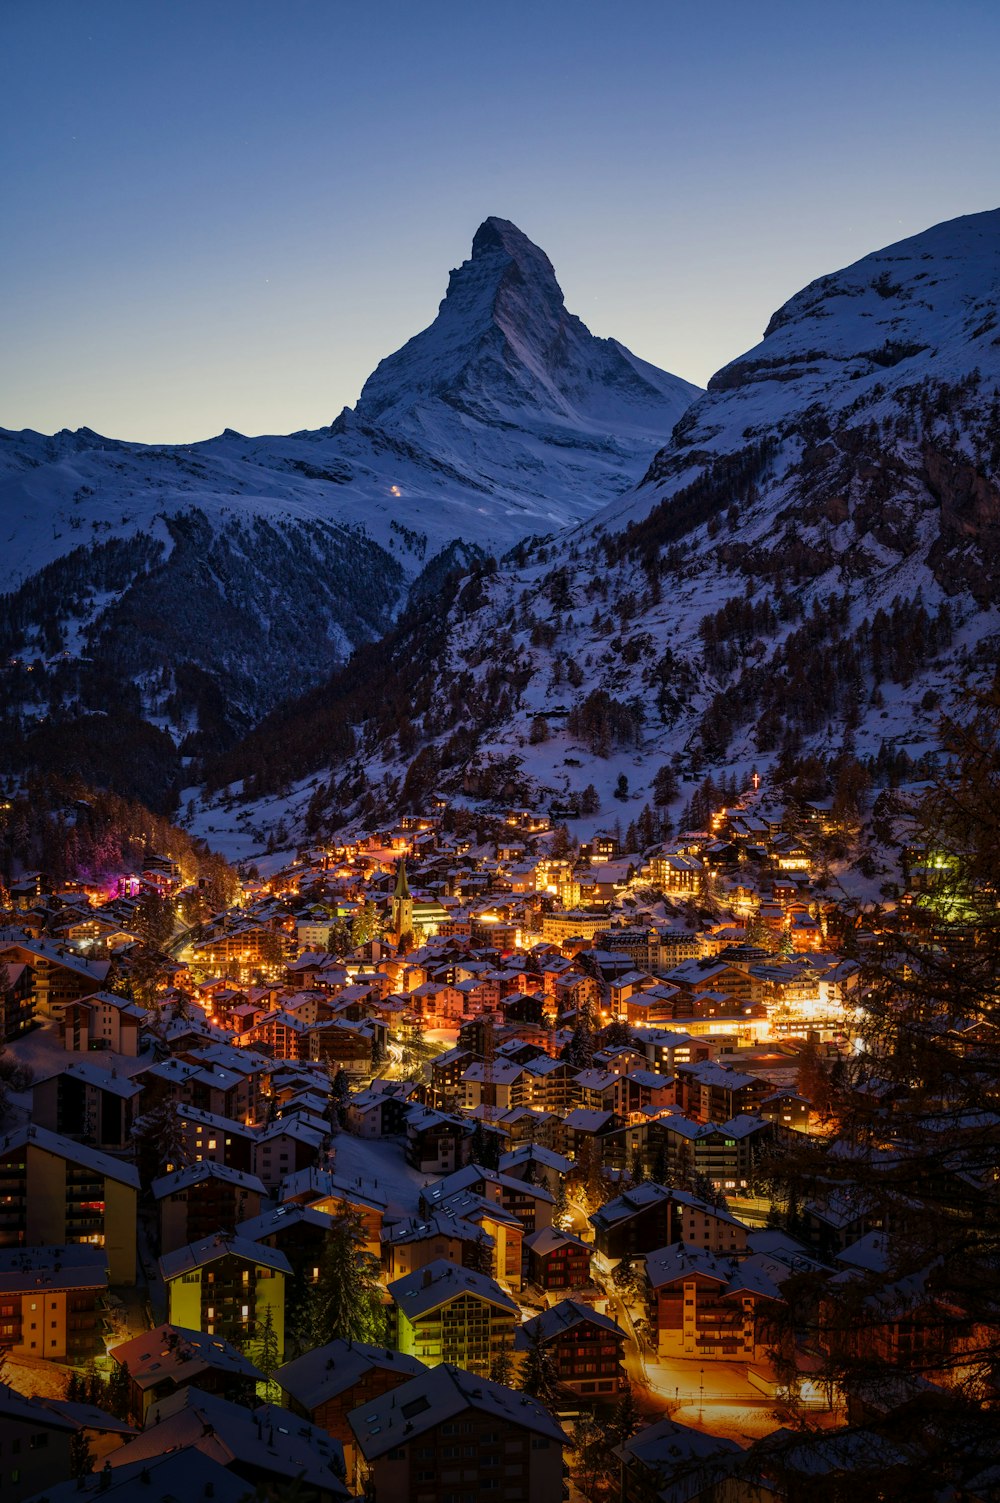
(547, 1045)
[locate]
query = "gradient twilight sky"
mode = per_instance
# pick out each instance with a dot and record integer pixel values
(225, 212)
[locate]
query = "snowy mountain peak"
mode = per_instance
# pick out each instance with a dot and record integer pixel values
(504, 347)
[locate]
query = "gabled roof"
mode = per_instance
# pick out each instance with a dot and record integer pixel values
(269, 1440)
(559, 1318)
(329, 1371)
(75, 1153)
(280, 1218)
(548, 1238)
(94, 1075)
(438, 1283)
(196, 1255)
(440, 1395)
(175, 1351)
(196, 1174)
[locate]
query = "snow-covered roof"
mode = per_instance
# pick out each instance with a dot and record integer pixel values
(433, 1398)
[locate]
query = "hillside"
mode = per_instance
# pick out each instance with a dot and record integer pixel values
(195, 587)
(810, 565)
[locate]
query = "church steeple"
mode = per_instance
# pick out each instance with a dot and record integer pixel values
(402, 903)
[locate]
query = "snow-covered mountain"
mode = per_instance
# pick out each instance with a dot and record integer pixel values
(225, 575)
(812, 562)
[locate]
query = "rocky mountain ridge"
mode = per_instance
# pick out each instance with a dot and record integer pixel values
(808, 567)
(197, 586)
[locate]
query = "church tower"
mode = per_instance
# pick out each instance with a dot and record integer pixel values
(402, 903)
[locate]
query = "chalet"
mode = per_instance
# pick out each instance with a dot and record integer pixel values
(55, 1191)
(586, 1348)
(324, 1385)
(666, 1049)
(17, 999)
(710, 1307)
(437, 1143)
(201, 1198)
(161, 1361)
(85, 1101)
(58, 974)
(285, 1146)
(449, 1314)
(499, 1084)
(584, 1131)
(649, 1215)
(227, 1286)
(694, 977)
(262, 1447)
(219, 1139)
(711, 1092)
(351, 1046)
(409, 1441)
(418, 1240)
(325, 1191)
(787, 1109)
(37, 1436)
(300, 1232)
(530, 1203)
(537, 1164)
(557, 1259)
(49, 1302)
(552, 1086)
(672, 1461)
(102, 1021)
(447, 1090)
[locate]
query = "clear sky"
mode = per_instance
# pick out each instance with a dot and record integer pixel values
(225, 212)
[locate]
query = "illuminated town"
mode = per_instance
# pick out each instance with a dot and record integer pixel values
(500, 753)
(532, 1096)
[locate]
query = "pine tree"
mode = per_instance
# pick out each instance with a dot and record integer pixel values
(560, 1210)
(539, 1377)
(265, 1354)
(303, 1328)
(349, 1295)
(341, 1095)
(81, 1457)
(119, 1391)
(501, 1367)
(159, 1142)
(479, 1255)
(625, 1417)
(94, 1384)
(485, 1147)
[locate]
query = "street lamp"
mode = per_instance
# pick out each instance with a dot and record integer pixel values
(701, 1393)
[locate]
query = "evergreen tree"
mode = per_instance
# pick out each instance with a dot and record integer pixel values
(560, 1210)
(349, 1296)
(485, 1146)
(159, 1143)
(625, 1417)
(119, 1391)
(95, 1385)
(596, 1466)
(501, 1367)
(539, 1377)
(340, 1096)
(81, 1457)
(479, 1255)
(303, 1329)
(265, 1354)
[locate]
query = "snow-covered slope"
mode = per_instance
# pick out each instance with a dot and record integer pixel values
(260, 562)
(812, 561)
